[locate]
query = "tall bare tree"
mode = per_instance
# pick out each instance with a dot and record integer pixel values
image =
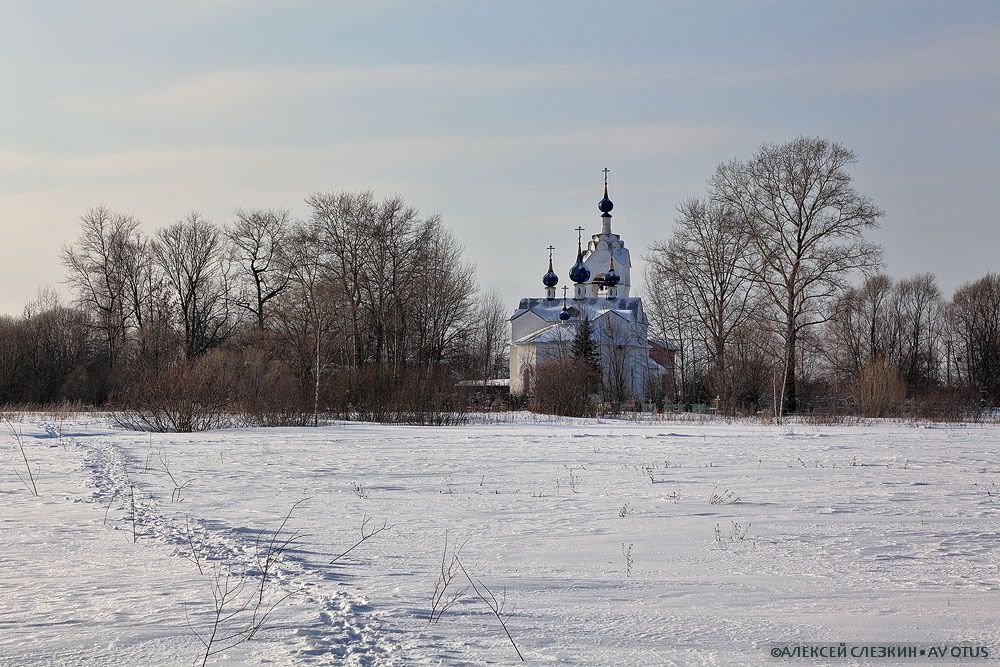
(406, 289)
(491, 335)
(347, 227)
(98, 269)
(671, 318)
(192, 255)
(974, 317)
(305, 311)
(897, 323)
(443, 297)
(806, 222)
(257, 239)
(920, 318)
(708, 258)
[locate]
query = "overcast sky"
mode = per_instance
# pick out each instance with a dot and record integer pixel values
(499, 115)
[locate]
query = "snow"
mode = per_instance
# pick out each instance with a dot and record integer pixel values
(880, 533)
(628, 308)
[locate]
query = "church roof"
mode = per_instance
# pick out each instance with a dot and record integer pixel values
(665, 344)
(565, 331)
(652, 365)
(561, 332)
(628, 308)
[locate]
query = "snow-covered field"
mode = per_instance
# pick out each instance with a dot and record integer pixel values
(604, 535)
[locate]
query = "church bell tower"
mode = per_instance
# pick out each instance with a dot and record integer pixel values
(607, 258)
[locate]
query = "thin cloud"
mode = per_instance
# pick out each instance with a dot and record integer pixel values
(236, 87)
(637, 141)
(950, 57)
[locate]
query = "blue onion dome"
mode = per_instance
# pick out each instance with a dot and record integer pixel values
(550, 279)
(564, 315)
(579, 273)
(605, 205)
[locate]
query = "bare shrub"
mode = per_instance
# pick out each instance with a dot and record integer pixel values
(496, 605)
(444, 595)
(249, 386)
(193, 395)
(879, 390)
(726, 497)
(824, 418)
(380, 393)
(369, 529)
(175, 493)
(133, 516)
(562, 387)
(947, 405)
(237, 614)
(28, 477)
(737, 533)
(194, 554)
(268, 551)
(265, 390)
(242, 603)
(629, 559)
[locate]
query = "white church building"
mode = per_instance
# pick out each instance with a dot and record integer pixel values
(544, 328)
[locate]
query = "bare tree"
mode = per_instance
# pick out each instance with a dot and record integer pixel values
(191, 254)
(900, 323)
(257, 238)
(708, 257)
(670, 318)
(974, 319)
(148, 303)
(491, 334)
(806, 223)
(920, 317)
(858, 329)
(306, 310)
(97, 266)
(619, 341)
(406, 290)
(444, 292)
(368, 293)
(48, 354)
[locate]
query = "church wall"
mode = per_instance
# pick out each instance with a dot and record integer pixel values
(626, 365)
(522, 360)
(526, 324)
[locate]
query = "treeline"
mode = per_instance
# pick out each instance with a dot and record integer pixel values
(365, 308)
(776, 299)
